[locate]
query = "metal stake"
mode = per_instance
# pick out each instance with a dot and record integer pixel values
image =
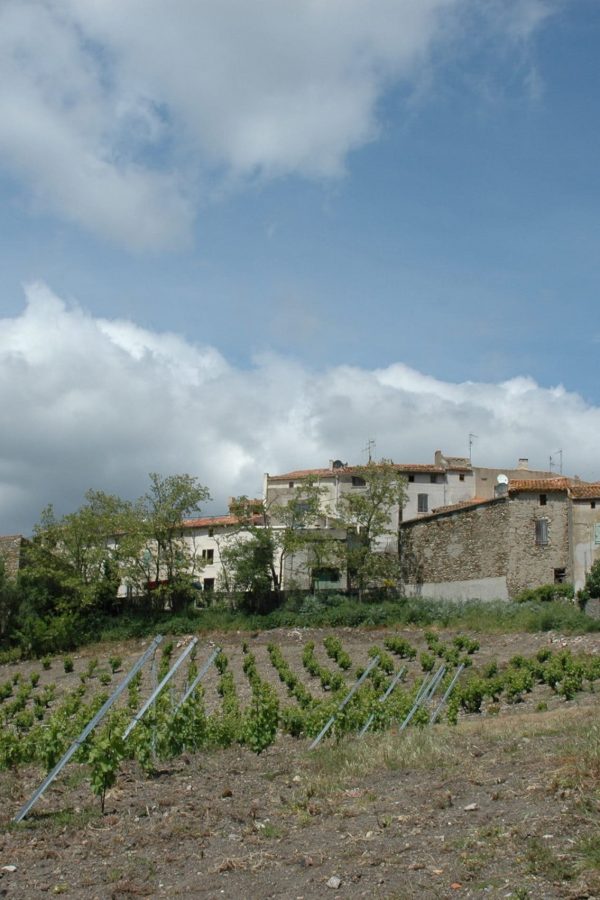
(199, 676)
(349, 696)
(86, 731)
(151, 699)
(383, 698)
(426, 690)
(447, 693)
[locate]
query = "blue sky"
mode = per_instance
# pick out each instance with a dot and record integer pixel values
(305, 201)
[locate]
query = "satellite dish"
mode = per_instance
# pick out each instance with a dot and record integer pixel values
(502, 479)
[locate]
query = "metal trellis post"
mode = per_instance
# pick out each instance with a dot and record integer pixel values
(88, 729)
(447, 693)
(348, 697)
(202, 672)
(383, 698)
(151, 699)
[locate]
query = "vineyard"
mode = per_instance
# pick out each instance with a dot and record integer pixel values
(266, 695)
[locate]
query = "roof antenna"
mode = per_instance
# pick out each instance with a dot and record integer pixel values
(558, 453)
(370, 446)
(471, 439)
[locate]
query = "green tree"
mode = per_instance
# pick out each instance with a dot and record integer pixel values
(367, 513)
(9, 602)
(73, 562)
(161, 562)
(254, 557)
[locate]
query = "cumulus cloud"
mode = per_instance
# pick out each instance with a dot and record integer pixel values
(95, 403)
(114, 114)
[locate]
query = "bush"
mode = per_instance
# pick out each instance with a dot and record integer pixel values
(545, 593)
(68, 664)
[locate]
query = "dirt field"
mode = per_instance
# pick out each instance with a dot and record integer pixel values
(502, 805)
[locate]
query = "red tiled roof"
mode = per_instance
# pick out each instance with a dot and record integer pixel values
(585, 490)
(541, 484)
(299, 474)
(212, 521)
(462, 504)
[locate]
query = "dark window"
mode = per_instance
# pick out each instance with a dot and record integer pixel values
(326, 573)
(357, 481)
(461, 477)
(208, 556)
(211, 532)
(411, 478)
(291, 484)
(422, 502)
(541, 532)
(209, 584)
(560, 576)
(593, 504)
(543, 499)
(433, 479)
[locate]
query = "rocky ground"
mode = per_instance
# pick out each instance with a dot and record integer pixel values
(503, 805)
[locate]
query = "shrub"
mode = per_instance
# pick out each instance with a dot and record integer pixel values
(68, 664)
(545, 593)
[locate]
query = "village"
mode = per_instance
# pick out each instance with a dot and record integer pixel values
(456, 531)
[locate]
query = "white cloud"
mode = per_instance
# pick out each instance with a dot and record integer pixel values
(95, 403)
(113, 113)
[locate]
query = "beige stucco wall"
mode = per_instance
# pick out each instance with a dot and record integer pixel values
(585, 551)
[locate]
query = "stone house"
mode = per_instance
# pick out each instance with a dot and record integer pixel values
(535, 531)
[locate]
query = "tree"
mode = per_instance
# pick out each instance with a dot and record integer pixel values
(9, 601)
(73, 561)
(161, 562)
(255, 556)
(76, 563)
(370, 553)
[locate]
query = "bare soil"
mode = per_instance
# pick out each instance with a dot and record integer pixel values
(502, 805)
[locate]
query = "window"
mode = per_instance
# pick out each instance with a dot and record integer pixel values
(208, 556)
(290, 484)
(325, 575)
(560, 576)
(411, 478)
(433, 479)
(209, 584)
(422, 502)
(592, 504)
(461, 477)
(357, 481)
(543, 499)
(541, 532)
(211, 532)
(597, 533)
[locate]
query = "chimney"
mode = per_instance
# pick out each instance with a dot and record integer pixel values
(438, 458)
(523, 463)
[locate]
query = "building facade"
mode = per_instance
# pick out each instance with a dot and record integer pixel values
(538, 531)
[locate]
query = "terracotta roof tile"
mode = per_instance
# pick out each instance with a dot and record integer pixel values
(462, 504)
(540, 484)
(212, 521)
(585, 490)
(299, 474)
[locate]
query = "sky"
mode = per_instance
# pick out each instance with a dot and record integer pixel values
(241, 237)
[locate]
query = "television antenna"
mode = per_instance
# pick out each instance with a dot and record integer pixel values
(472, 437)
(553, 463)
(370, 447)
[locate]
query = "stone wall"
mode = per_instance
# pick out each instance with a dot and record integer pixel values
(529, 563)
(460, 546)
(10, 551)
